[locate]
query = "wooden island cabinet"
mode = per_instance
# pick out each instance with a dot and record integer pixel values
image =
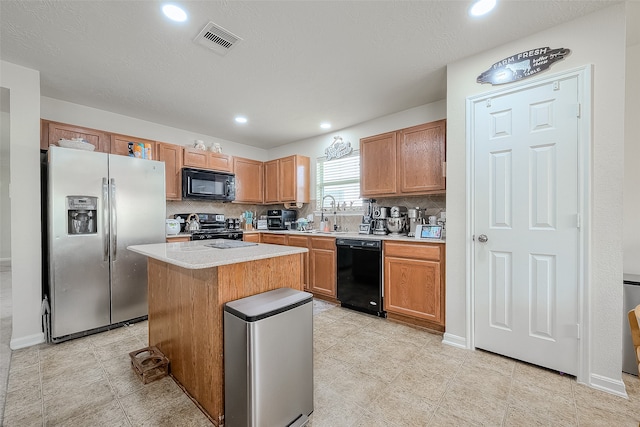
(188, 286)
(414, 289)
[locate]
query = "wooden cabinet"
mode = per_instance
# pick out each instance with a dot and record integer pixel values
(414, 283)
(171, 155)
(286, 180)
(120, 146)
(274, 239)
(378, 165)
(251, 237)
(202, 159)
(249, 180)
(271, 178)
(177, 239)
(408, 161)
(302, 242)
(52, 132)
(421, 158)
(322, 266)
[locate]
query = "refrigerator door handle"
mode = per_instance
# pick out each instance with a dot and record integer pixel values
(105, 223)
(114, 221)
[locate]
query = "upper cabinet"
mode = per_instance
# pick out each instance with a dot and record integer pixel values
(120, 145)
(409, 161)
(171, 155)
(378, 165)
(286, 180)
(421, 158)
(207, 160)
(52, 132)
(249, 180)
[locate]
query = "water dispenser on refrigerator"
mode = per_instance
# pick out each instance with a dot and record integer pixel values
(81, 214)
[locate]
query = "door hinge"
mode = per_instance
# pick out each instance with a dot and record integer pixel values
(577, 110)
(578, 221)
(488, 102)
(578, 331)
(444, 169)
(556, 85)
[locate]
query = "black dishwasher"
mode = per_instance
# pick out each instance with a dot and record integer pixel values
(359, 265)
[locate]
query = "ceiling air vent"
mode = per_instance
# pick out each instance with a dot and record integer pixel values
(216, 38)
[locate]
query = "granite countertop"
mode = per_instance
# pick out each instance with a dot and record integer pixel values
(196, 254)
(349, 235)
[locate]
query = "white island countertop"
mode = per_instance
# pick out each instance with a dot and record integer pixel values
(198, 254)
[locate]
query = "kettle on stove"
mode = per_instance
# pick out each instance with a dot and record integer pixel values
(193, 223)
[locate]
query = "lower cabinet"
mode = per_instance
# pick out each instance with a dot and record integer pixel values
(251, 237)
(322, 266)
(414, 283)
(302, 242)
(177, 239)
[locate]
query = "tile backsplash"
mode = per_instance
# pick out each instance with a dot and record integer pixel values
(347, 221)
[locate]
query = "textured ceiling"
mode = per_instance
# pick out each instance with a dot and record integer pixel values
(299, 63)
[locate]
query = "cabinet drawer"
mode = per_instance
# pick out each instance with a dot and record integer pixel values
(323, 243)
(251, 237)
(298, 241)
(413, 250)
(274, 239)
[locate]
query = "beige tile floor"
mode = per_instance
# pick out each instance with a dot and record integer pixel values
(368, 372)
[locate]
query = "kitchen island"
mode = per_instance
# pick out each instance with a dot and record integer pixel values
(188, 285)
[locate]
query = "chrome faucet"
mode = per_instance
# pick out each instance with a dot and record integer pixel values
(335, 207)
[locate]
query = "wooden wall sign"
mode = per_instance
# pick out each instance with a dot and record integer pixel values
(522, 65)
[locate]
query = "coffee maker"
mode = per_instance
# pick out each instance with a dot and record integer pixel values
(414, 218)
(366, 226)
(380, 215)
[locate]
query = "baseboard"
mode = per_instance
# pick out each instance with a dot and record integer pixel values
(454, 341)
(27, 341)
(608, 385)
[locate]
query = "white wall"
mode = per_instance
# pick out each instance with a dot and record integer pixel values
(80, 115)
(314, 147)
(597, 39)
(631, 222)
(24, 87)
(5, 202)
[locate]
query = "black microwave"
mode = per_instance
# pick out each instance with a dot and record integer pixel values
(200, 184)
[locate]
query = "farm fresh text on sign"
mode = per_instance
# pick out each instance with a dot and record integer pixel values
(522, 65)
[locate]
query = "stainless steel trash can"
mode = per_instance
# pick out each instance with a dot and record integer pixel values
(268, 359)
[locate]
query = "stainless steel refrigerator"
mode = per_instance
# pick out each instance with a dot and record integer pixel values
(98, 204)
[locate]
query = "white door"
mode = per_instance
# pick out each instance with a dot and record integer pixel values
(526, 205)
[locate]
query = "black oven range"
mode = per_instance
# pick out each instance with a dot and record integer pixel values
(212, 226)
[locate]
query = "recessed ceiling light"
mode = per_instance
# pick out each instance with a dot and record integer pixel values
(325, 125)
(174, 13)
(241, 119)
(482, 7)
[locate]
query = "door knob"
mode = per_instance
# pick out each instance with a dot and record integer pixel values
(483, 238)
